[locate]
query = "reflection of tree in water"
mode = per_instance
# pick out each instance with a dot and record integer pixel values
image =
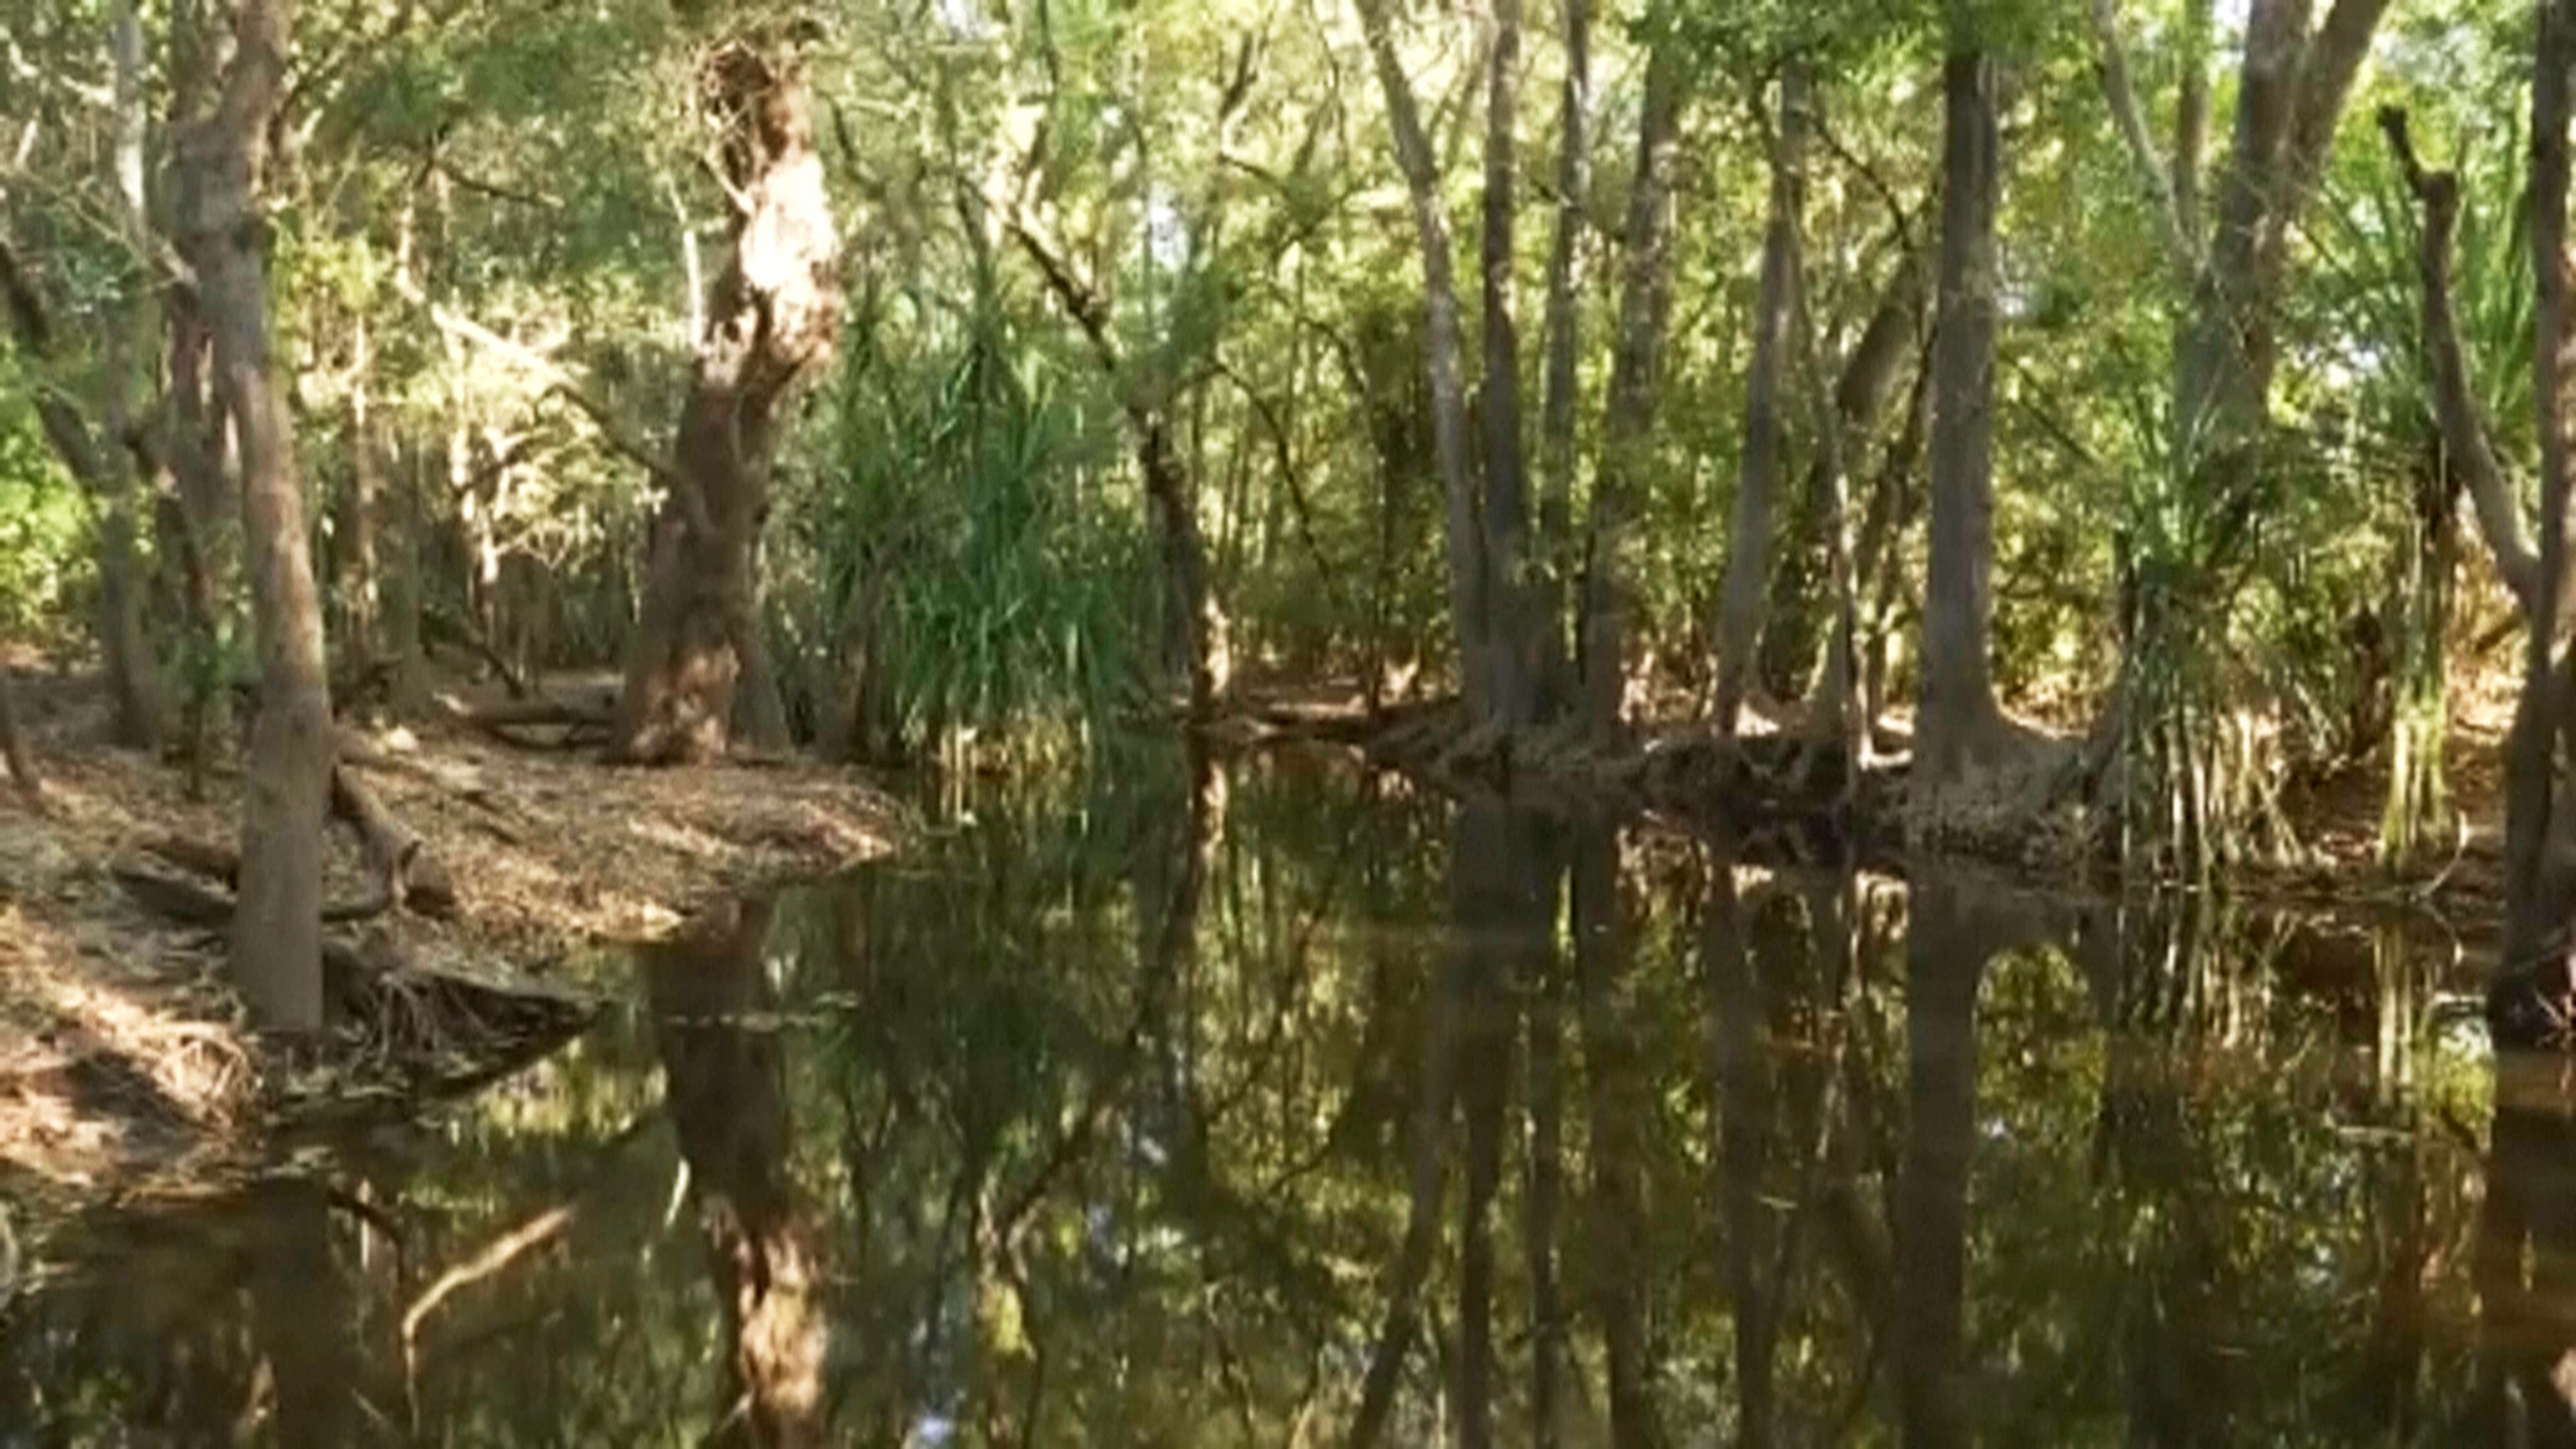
(1261, 1118)
(713, 1016)
(2525, 1267)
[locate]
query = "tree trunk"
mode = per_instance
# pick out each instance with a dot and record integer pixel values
(771, 320)
(362, 505)
(1511, 592)
(1958, 717)
(1469, 600)
(107, 478)
(133, 677)
(1645, 300)
(277, 928)
(1748, 564)
(409, 687)
(2531, 913)
(1563, 328)
(193, 441)
(13, 741)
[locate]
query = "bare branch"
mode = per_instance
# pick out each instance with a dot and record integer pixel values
(2112, 64)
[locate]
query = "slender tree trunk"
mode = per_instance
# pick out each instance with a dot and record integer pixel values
(1563, 328)
(194, 443)
(133, 677)
(771, 321)
(2531, 912)
(360, 574)
(1645, 301)
(1468, 566)
(1958, 717)
(277, 926)
(403, 587)
(1511, 592)
(1748, 563)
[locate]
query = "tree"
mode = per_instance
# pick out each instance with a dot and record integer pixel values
(1958, 724)
(1628, 415)
(771, 322)
(1739, 626)
(277, 926)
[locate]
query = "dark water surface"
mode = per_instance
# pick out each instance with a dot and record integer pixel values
(1299, 1109)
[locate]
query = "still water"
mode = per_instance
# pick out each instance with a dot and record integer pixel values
(1290, 1107)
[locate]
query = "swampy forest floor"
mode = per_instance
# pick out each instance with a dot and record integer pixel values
(126, 1065)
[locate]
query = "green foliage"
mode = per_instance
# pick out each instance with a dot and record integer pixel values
(45, 551)
(964, 525)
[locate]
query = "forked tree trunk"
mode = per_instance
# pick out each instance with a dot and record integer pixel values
(1636, 365)
(770, 321)
(1748, 562)
(1958, 714)
(277, 926)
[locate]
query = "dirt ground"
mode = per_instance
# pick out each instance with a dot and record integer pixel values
(126, 1064)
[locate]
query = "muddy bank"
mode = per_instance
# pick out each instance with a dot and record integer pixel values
(126, 1063)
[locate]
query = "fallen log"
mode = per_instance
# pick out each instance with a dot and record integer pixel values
(188, 903)
(578, 719)
(199, 857)
(407, 875)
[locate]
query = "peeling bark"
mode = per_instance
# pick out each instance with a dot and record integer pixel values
(772, 320)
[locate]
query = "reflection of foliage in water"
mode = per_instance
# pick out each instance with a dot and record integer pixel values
(1083, 1176)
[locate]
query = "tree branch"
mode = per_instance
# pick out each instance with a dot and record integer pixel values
(2464, 431)
(2112, 64)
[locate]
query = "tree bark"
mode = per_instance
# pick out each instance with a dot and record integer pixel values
(1645, 302)
(1958, 717)
(1748, 564)
(360, 575)
(132, 673)
(13, 742)
(2531, 912)
(1562, 328)
(771, 321)
(1468, 568)
(277, 941)
(1519, 631)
